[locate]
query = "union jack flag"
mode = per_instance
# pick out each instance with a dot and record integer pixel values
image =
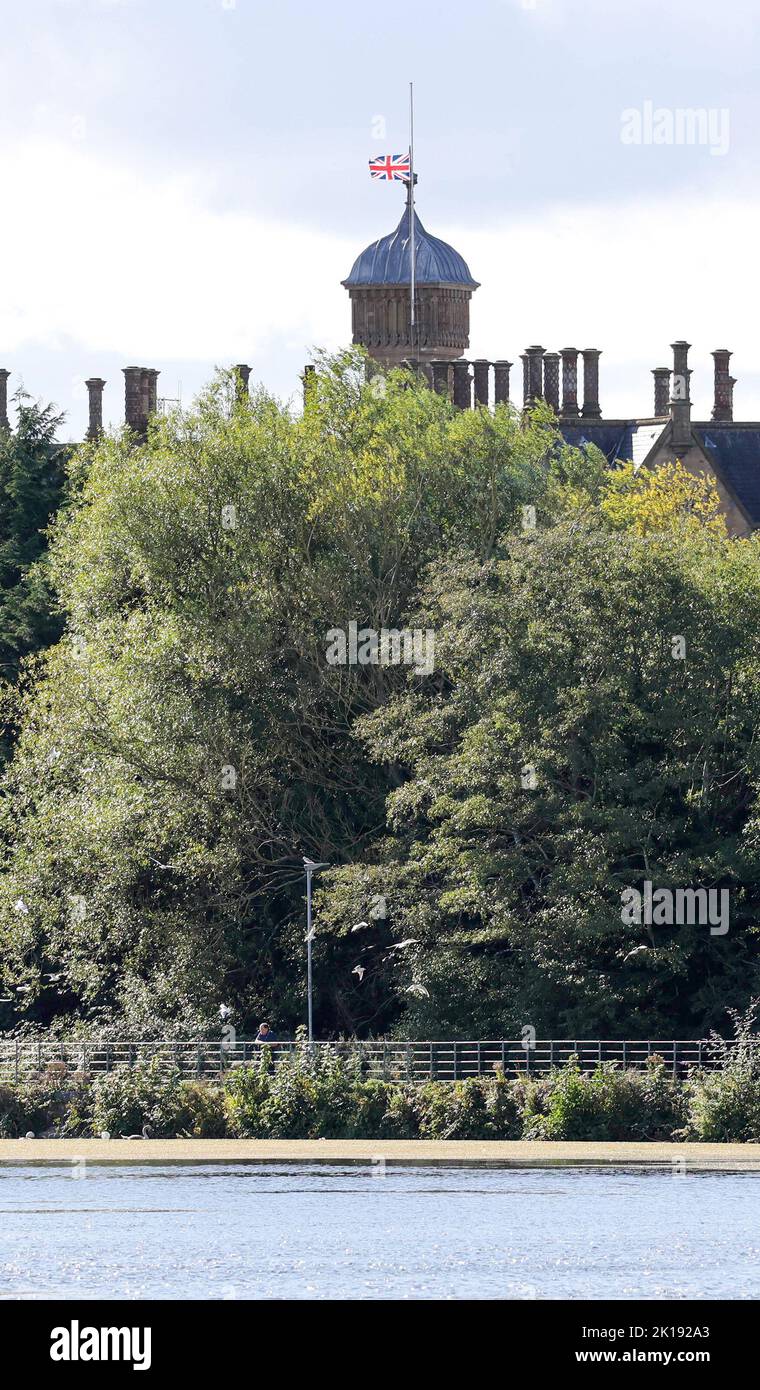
(391, 166)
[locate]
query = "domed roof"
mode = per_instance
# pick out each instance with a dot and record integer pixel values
(389, 260)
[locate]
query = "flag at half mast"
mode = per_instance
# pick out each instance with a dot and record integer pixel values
(391, 166)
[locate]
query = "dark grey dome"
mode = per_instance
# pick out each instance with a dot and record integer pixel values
(389, 260)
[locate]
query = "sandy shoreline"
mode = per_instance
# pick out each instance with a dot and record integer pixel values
(452, 1152)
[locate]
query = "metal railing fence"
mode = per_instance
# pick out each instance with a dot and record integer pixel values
(403, 1061)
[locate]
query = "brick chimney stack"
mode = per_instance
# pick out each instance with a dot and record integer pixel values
(661, 391)
(533, 384)
(152, 375)
(680, 401)
(480, 369)
(133, 399)
(551, 380)
(723, 405)
(440, 367)
(501, 382)
(243, 371)
(5, 423)
(95, 386)
(462, 385)
(309, 382)
(140, 397)
(570, 406)
(591, 407)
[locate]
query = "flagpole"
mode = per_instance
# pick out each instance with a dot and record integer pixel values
(411, 208)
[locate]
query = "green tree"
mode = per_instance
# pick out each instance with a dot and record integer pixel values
(188, 740)
(568, 753)
(32, 478)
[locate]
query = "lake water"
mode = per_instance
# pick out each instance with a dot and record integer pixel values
(332, 1232)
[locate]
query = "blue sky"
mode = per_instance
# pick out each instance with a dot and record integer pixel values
(186, 183)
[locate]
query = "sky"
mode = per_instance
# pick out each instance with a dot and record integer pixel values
(185, 184)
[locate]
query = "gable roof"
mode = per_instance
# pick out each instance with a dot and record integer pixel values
(734, 451)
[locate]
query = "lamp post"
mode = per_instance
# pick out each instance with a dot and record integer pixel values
(310, 867)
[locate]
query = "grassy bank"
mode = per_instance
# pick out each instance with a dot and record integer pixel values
(330, 1098)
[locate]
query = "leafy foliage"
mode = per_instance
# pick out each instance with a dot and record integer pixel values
(186, 741)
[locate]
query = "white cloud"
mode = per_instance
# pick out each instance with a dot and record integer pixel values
(119, 263)
(629, 281)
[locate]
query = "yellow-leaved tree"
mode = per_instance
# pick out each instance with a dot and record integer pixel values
(667, 498)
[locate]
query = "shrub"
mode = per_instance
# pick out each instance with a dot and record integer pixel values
(128, 1098)
(54, 1101)
(724, 1105)
(246, 1089)
(607, 1104)
(401, 1119)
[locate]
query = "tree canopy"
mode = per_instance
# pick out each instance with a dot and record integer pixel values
(187, 740)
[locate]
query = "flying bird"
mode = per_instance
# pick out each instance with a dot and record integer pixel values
(401, 945)
(359, 926)
(359, 970)
(418, 990)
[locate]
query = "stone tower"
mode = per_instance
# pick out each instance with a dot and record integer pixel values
(379, 286)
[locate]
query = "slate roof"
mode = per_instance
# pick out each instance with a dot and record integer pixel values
(735, 448)
(613, 437)
(389, 260)
(732, 447)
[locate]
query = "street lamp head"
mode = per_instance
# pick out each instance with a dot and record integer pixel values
(311, 864)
